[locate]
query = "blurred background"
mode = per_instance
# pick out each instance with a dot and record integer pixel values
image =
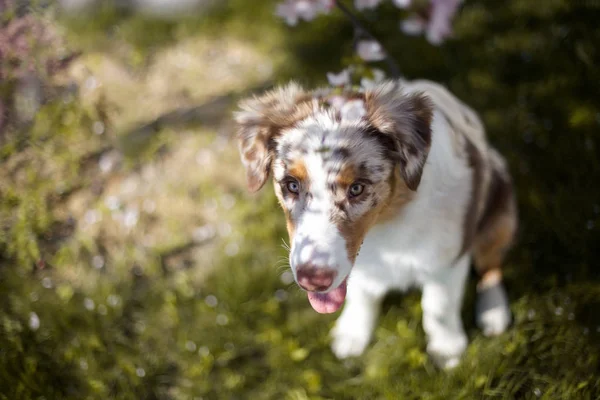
(134, 264)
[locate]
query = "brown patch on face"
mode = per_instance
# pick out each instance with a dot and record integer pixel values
(346, 176)
(291, 227)
(380, 209)
(298, 170)
(289, 223)
(354, 232)
(400, 195)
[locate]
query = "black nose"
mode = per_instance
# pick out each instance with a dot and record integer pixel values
(315, 279)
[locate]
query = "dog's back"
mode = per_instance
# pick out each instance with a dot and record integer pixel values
(492, 215)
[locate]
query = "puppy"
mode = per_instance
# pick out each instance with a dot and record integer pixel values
(384, 189)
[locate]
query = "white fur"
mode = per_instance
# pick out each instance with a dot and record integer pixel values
(416, 249)
(495, 321)
(317, 239)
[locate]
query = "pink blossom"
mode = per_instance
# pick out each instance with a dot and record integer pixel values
(366, 4)
(402, 3)
(413, 25)
(294, 10)
(340, 79)
(370, 50)
(287, 11)
(437, 24)
(442, 13)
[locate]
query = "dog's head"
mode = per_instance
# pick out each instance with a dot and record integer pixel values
(337, 170)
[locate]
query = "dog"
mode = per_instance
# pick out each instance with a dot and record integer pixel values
(387, 188)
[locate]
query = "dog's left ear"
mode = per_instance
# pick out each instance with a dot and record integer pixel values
(406, 120)
(260, 121)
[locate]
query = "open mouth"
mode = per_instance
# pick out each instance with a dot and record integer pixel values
(326, 303)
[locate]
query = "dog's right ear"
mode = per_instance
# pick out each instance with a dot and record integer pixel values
(406, 120)
(260, 120)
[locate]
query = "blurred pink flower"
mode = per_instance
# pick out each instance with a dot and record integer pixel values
(366, 4)
(370, 50)
(340, 79)
(437, 24)
(402, 3)
(288, 12)
(440, 20)
(413, 25)
(294, 10)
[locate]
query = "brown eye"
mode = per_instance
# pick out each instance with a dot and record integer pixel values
(356, 189)
(293, 186)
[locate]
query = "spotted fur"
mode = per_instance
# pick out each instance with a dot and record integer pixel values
(431, 193)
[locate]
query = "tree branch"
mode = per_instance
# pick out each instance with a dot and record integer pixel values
(361, 30)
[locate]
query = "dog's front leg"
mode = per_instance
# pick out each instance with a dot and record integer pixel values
(354, 328)
(441, 304)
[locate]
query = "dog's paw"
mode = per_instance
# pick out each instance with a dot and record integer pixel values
(495, 321)
(446, 352)
(444, 362)
(349, 342)
(492, 311)
(345, 346)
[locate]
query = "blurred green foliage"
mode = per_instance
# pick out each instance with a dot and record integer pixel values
(530, 69)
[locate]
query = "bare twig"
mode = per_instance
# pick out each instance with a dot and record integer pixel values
(360, 30)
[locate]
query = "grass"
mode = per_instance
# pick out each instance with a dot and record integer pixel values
(134, 266)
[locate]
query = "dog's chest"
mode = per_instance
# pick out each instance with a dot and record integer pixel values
(427, 234)
(404, 253)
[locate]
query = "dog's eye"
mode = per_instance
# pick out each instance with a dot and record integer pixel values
(293, 186)
(356, 189)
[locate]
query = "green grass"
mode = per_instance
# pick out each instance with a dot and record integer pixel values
(219, 319)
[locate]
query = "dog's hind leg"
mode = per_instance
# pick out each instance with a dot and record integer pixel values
(494, 237)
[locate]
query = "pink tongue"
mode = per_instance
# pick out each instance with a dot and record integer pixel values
(329, 302)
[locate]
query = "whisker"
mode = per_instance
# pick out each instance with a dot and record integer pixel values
(281, 270)
(282, 262)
